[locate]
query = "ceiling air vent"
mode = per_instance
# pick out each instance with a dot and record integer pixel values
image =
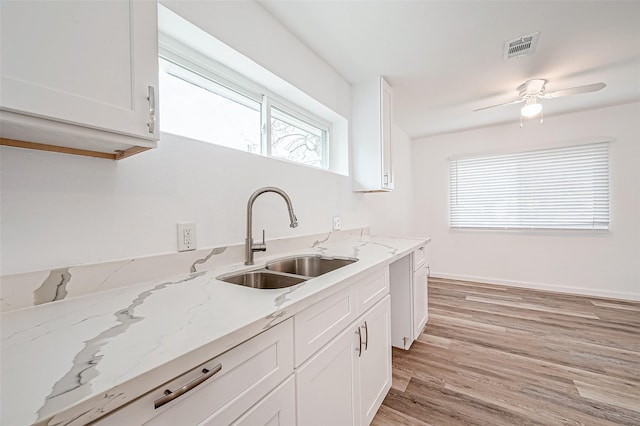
(521, 46)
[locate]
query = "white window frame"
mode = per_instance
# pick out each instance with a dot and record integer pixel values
(192, 66)
(563, 188)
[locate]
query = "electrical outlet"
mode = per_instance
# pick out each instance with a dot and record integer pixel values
(186, 236)
(336, 223)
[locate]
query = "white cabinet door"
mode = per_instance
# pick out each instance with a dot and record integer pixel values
(420, 301)
(90, 64)
(375, 361)
(401, 287)
(326, 384)
(386, 120)
(276, 409)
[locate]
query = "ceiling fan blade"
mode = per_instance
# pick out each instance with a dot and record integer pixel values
(517, 101)
(574, 90)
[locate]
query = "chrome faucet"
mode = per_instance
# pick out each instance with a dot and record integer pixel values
(249, 247)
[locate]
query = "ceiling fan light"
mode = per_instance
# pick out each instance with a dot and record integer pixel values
(531, 109)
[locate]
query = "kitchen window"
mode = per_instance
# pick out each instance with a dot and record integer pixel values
(201, 103)
(559, 188)
(297, 140)
(199, 108)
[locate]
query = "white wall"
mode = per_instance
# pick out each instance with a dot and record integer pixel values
(583, 262)
(391, 212)
(59, 210)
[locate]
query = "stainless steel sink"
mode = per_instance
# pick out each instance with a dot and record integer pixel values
(288, 271)
(262, 279)
(310, 265)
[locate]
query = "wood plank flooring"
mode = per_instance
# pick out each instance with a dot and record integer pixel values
(494, 355)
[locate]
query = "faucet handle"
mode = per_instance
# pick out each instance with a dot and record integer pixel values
(260, 246)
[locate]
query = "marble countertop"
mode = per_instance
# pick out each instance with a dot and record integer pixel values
(69, 362)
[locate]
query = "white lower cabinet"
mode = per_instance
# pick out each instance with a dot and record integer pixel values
(409, 298)
(345, 382)
(420, 300)
(342, 372)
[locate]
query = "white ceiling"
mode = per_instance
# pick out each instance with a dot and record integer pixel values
(445, 58)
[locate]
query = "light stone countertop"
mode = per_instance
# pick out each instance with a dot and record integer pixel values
(69, 362)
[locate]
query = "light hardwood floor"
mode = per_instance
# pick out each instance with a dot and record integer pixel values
(494, 355)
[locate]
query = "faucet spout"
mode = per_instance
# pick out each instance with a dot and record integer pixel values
(293, 218)
(249, 246)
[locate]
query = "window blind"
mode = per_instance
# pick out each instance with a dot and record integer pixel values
(559, 188)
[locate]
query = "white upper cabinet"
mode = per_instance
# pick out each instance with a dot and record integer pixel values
(372, 145)
(80, 74)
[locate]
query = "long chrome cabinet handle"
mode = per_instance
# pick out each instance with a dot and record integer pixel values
(359, 349)
(366, 338)
(152, 109)
(171, 395)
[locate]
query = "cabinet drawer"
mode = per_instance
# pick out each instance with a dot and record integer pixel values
(321, 322)
(371, 289)
(419, 257)
(249, 371)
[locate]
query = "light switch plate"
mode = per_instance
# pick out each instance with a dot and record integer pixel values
(186, 236)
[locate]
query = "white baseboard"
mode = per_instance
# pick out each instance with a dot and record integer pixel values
(540, 286)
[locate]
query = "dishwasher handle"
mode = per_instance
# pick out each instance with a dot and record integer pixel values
(171, 395)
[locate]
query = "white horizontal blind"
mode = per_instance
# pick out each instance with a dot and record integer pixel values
(560, 188)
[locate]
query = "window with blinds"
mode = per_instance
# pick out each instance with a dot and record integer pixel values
(560, 188)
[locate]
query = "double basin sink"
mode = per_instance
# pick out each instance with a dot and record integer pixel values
(288, 271)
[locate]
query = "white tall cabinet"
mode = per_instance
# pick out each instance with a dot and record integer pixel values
(80, 74)
(372, 144)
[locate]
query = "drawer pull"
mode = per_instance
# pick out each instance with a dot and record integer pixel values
(359, 349)
(171, 395)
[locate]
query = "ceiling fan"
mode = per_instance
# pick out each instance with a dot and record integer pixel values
(532, 90)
